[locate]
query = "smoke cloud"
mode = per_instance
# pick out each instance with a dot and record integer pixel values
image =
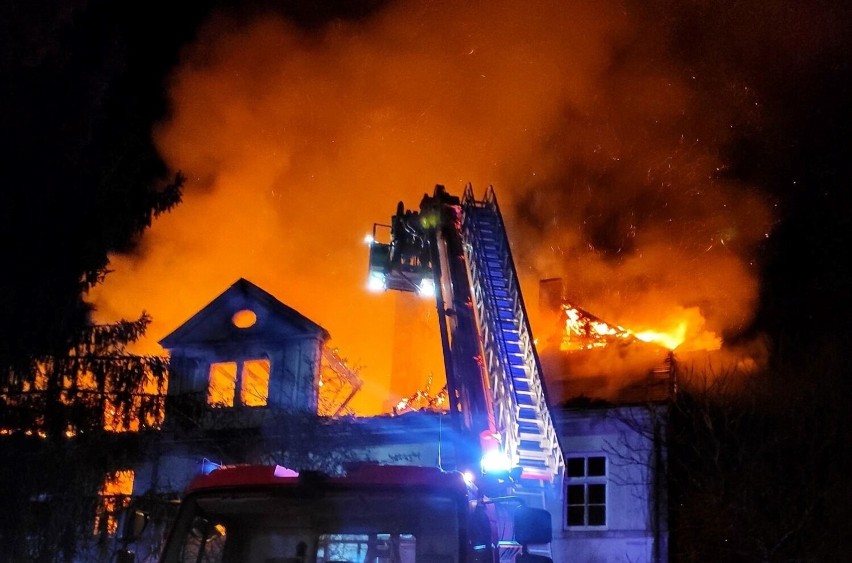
(606, 151)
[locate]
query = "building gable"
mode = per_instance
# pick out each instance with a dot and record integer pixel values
(246, 349)
(242, 314)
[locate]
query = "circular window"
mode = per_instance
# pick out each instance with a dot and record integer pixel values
(244, 318)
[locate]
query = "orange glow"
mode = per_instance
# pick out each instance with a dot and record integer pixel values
(607, 168)
(114, 415)
(114, 419)
(338, 383)
(670, 341)
(423, 399)
(584, 331)
(254, 385)
(244, 318)
(146, 406)
(115, 495)
(222, 385)
(39, 382)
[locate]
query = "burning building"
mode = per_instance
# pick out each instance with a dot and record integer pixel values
(248, 376)
(252, 381)
(591, 358)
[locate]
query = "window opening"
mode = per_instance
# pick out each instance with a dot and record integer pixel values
(586, 492)
(223, 384)
(244, 318)
(366, 548)
(114, 496)
(249, 377)
(254, 388)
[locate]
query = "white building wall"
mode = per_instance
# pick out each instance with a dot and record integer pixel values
(623, 436)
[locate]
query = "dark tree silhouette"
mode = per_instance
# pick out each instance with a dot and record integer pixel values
(81, 176)
(758, 464)
(81, 84)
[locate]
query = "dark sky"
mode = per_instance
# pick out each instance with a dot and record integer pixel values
(796, 56)
(83, 84)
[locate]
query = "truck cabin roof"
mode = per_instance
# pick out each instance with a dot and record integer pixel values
(360, 476)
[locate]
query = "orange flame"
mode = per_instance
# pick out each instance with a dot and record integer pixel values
(667, 340)
(584, 331)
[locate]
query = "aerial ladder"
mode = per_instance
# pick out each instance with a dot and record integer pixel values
(459, 249)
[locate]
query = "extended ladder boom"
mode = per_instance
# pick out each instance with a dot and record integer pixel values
(511, 361)
(460, 248)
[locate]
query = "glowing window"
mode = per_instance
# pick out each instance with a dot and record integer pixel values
(251, 377)
(244, 318)
(254, 386)
(222, 385)
(114, 496)
(586, 492)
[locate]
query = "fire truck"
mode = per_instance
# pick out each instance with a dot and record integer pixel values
(372, 514)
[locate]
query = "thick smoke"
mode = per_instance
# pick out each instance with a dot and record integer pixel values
(607, 157)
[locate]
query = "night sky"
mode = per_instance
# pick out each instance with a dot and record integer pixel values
(711, 140)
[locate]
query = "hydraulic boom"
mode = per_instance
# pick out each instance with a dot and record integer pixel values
(459, 249)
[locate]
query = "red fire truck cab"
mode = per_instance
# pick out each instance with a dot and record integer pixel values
(373, 514)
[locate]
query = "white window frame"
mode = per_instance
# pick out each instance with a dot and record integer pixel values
(585, 481)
